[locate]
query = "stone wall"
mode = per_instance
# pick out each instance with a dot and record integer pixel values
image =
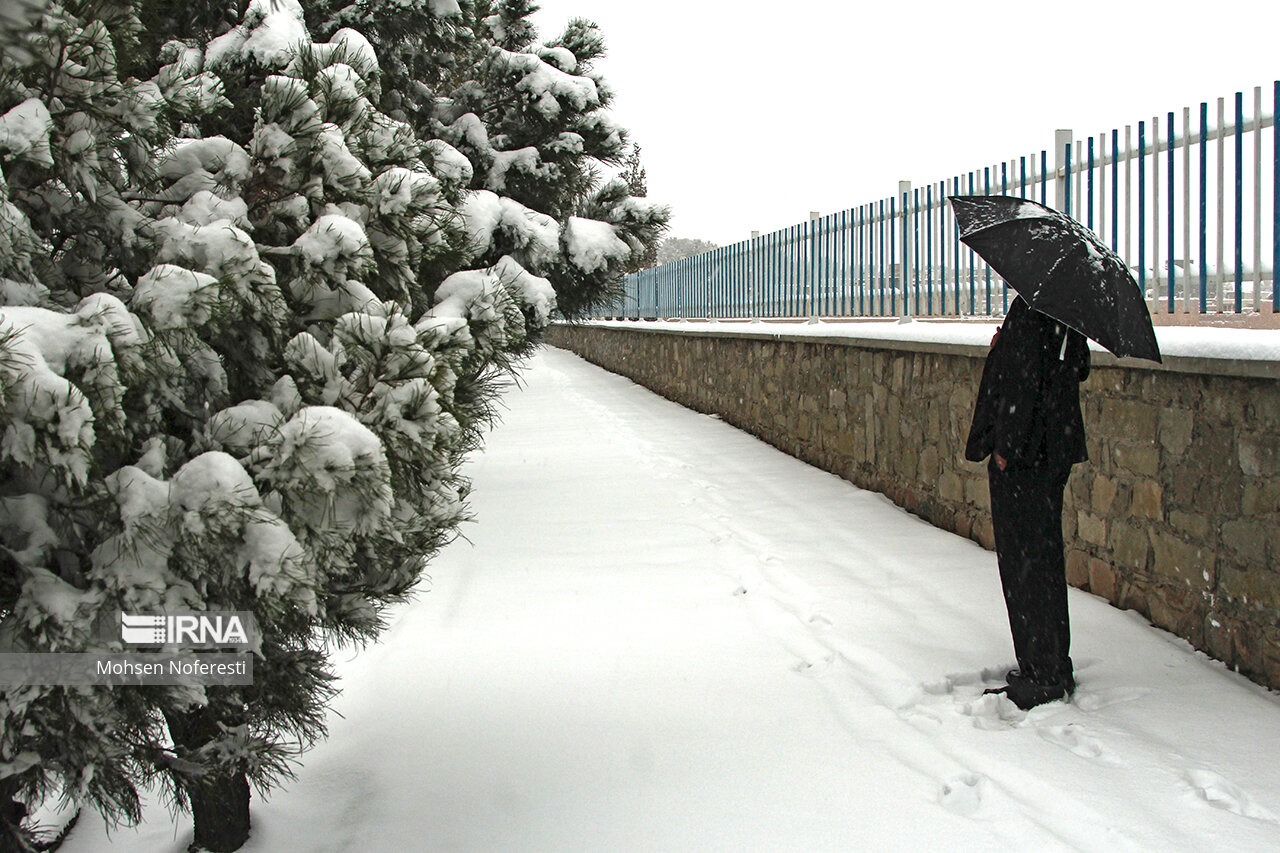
(1177, 514)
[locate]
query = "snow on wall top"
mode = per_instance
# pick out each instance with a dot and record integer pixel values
(1257, 345)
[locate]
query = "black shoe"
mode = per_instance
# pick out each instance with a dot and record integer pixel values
(1027, 694)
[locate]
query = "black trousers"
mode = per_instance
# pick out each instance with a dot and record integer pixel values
(1026, 512)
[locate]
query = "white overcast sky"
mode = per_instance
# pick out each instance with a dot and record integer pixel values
(751, 114)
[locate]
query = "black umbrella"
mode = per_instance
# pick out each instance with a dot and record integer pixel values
(1061, 268)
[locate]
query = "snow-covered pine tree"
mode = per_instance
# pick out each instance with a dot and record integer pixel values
(224, 385)
(249, 324)
(72, 136)
(533, 121)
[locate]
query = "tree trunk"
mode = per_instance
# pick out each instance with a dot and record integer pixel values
(220, 811)
(12, 813)
(220, 797)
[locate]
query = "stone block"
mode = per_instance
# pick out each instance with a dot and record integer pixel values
(929, 464)
(1211, 447)
(1147, 501)
(1129, 545)
(1254, 588)
(1104, 494)
(1091, 528)
(1079, 485)
(1247, 538)
(1143, 459)
(1128, 419)
(1246, 653)
(1176, 427)
(1218, 635)
(1259, 454)
(951, 487)
(1261, 497)
(1185, 561)
(1176, 608)
(1102, 579)
(1224, 404)
(1078, 568)
(983, 532)
(1264, 404)
(1131, 596)
(977, 493)
(1189, 524)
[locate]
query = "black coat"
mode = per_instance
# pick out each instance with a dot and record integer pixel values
(1028, 406)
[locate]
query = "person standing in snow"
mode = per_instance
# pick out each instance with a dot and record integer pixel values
(1027, 419)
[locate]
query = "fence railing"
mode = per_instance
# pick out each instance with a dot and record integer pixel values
(1190, 212)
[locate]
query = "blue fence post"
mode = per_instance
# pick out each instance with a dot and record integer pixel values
(1204, 206)
(698, 286)
(1089, 185)
(844, 260)
(784, 273)
(708, 281)
(704, 283)
(865, 305)
(986, 190)
(860, 244)
(1044, 176)
(915, 245)
(722, 282)
(1239, 202)
(880, 312)
(799, 260)
(928, 252)
(1067, 180)
(833, 263)
(833, 257)
(942, 246)
(783, 284)
(695, 285)
(767, 277)
(1115, 188)
(973, 280)
(692, 291)
(893, 255)
(809, 235)
(797, 272)
(1275, 195)
(956, 244)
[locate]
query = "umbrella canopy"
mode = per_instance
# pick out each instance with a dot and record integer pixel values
(1061, 268)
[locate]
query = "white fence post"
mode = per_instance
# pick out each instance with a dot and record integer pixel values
(904, 195)
(1061, 139)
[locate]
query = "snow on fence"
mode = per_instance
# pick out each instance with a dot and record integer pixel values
(1192, 215)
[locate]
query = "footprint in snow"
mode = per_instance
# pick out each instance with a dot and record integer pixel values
(820, 666)
(949, 682)
(962, 794)
(1071, 738)
(1221, 794)
(991, 712)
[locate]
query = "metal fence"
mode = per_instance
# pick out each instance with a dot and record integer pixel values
(1189, 209)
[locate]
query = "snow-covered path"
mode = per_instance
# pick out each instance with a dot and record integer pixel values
(664, 635)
